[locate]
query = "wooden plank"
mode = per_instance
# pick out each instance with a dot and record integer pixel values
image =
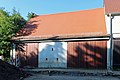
(87, 54)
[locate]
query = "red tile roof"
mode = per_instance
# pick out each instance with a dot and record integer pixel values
(112, 6)
(79, 23)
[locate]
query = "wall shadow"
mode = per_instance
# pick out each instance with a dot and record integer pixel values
(20, 54)
(31, 60)
(116, 55)
(52, 55)
(87, 55)
(27, 55)
(90, 54)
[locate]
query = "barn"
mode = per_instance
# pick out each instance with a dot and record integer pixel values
(64, 40)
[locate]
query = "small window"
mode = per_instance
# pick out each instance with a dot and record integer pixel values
(57, 59)
(52, 49)
(46, 59)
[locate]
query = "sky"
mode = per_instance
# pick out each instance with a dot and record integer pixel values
(42, 7)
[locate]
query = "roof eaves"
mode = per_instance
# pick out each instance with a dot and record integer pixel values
(60, 38)
(113, 13)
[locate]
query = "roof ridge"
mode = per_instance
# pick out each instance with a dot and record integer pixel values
(69, 12)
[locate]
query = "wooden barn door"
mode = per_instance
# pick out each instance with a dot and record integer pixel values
(32, 54)
(28, 55)
(116, 53)
(87, 54)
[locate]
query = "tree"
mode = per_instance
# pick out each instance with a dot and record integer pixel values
(10, 23)
(31, 15)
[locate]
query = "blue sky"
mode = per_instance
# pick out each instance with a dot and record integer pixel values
(41, 7)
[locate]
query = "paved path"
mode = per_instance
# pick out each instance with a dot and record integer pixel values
(72, 74)
(96, 71)
(69, 77)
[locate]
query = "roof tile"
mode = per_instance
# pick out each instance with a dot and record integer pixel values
(87, 22)
(112, 6)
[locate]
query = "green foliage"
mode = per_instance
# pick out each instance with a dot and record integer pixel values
(31, 15)
(10, 23)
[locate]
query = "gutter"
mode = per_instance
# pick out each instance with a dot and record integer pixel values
(63, 40)
(111, 43)
(111, 15)
(106, 37)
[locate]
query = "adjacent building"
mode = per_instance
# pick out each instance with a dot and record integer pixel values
(112, 16)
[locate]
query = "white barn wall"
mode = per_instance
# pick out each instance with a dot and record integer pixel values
(52, 54)
(107, 19)
(115, 26)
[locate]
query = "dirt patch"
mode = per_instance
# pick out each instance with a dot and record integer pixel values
(10, 72)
